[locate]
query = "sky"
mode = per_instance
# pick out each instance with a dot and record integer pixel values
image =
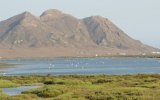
(140, 19)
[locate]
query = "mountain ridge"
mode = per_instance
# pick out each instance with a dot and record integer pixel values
(55, 29)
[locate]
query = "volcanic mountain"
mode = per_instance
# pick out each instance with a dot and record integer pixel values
(55, 34)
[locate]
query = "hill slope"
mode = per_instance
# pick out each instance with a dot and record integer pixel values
(57, 34)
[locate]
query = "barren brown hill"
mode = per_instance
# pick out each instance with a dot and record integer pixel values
(57, 34)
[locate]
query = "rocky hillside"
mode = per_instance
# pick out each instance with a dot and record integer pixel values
(54, 29)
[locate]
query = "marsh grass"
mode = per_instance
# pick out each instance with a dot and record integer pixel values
(2, 95)
(94, 87)
(7, 84)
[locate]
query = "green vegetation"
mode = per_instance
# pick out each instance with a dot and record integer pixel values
(2, 95)
(81, 87)
(7, 84)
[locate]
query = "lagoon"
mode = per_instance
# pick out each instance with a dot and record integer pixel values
(17, 90)
(84, 66)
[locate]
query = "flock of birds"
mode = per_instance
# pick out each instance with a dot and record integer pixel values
(76, 64)
(70, 64)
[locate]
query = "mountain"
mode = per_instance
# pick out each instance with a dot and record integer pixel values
(57, 34)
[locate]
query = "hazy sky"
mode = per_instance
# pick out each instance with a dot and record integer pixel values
(140, 19)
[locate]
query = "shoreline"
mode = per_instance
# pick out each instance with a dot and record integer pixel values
(106, 56)
(72, 53)
(5, 65)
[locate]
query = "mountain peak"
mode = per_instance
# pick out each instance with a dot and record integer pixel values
(98, 19)
(52, 13)
(27, 14)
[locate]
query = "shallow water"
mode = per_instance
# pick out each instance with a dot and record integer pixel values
(17, 90)
(60, 66)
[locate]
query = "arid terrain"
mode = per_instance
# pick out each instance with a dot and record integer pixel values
(56, 34)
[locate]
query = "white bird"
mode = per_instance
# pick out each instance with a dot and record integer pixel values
(4, 74)
(76, 65)
(50, 66)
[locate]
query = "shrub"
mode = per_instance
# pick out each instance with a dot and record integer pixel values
(100, 81)
(48, 91)
(7, 84)
(23, 97)
(53, 83)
